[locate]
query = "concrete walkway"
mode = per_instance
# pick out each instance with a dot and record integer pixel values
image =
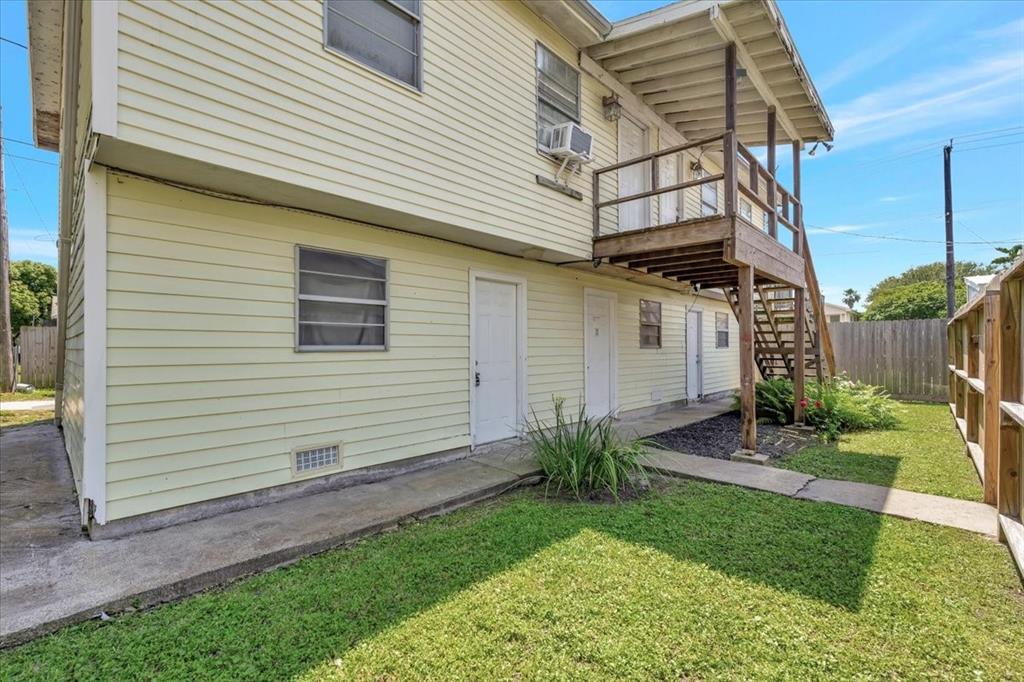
(52, 575)
(26, 405)
(972, 516)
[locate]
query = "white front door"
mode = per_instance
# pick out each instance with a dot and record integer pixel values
(633, 179)
(496, 367)
(694, 355)
(599, 349)
(670, 205)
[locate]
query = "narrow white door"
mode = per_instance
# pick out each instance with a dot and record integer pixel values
(599, 355)
(633, 179)
(694, 355)
(495, 374)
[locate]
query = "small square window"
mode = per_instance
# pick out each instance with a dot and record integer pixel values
(650, 324)
(721, 330)
(746, 211)
(341, 301)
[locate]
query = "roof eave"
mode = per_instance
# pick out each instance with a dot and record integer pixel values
(45, 64)
(577, 20)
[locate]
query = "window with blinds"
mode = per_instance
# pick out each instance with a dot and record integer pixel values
(721, 330)
(558, 94)
(342, 301)
(385, 35)
(650, 324)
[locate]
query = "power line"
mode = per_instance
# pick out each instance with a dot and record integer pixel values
(11, 139)
(29, 158)
(8, 40)
(28, 195)
(907, 239)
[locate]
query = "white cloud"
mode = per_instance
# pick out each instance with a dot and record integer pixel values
(833, 229)
(873, 55)
(32, 244)
(986, 87)
(893, 199)
(1011, 29)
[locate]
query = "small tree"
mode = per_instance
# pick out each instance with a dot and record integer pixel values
(33, 286)
(850, 298)
(1010, 254)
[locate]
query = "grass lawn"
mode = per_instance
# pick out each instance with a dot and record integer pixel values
(700, 581)
(9, 418)
(924, 454)
(38, 394)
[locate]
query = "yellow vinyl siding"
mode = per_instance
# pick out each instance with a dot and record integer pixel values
(206, 396)
(249, 86)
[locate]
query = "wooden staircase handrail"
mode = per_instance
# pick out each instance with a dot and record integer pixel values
(818, 306)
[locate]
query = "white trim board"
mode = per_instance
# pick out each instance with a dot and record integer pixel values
(613, 369)
(103, 44)
(94, 321)
(522, 401)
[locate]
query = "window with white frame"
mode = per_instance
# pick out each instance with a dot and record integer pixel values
(746, 211)
(708, 193)
(558, 94)
(342, 301)
(721, 330)
(385, 35)
(650, 324)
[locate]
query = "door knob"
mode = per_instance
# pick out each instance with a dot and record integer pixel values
(476, 378)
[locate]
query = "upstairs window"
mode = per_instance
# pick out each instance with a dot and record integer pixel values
(721, 330)
(385, 35)
(342, 301)
(650, 324)
(708, 194)
(746, 211)
(558, 94)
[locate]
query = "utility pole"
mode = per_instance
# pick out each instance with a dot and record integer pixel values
(947, 153)
(6, 345)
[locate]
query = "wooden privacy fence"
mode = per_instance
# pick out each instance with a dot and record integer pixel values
(38, 348)
(906, 357)
(986, 393)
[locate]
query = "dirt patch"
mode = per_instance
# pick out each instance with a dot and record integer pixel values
(719, 437)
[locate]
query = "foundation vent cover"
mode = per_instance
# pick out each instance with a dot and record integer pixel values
(316, 458)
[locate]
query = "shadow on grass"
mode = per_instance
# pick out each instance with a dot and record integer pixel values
(282, 623)
(827, 461)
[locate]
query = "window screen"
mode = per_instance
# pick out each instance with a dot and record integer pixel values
(708, 194)
(342, 301)
(746, 211)
(383, 34)
(558, 93)
(721, 330)
(650, 324)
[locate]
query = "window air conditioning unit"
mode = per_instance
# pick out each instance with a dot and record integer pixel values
(571, 142)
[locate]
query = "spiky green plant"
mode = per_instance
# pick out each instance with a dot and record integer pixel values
(586, 455)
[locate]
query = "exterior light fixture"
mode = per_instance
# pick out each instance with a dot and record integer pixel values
(612, 108)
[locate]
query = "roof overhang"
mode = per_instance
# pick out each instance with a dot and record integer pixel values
(45, 59)
(577, 20)
(673, 58)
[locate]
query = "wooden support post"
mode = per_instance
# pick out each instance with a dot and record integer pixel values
(1010, 489)
(748, 408)
(773, 222)
(990, 408)
(798, 208)
(729, 142)
(595, 199)
(799, 359)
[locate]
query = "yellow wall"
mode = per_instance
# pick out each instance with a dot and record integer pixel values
(249, 86)
(206, 396)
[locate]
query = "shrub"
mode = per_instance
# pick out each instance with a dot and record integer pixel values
(586, 456)
(841, 405)
(832, 407)
(774, 400)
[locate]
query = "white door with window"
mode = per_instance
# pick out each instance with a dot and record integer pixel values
(496, 360)
(633, 179)
(694, 355)
(599, 349)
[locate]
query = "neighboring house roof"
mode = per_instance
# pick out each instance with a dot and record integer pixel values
(976, 285)
(834, 309)
(45, 40)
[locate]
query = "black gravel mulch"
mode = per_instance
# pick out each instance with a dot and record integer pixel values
(719, 437)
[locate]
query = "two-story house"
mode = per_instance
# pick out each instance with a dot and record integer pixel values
(299, 239)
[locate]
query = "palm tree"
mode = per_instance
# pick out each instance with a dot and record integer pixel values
(850, 298)
(1010, 254)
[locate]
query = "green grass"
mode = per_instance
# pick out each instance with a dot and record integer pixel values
(38, 394)
(10, 418)
(924, 454)
(699, 582)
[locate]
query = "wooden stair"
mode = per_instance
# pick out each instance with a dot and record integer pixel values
(774, 338)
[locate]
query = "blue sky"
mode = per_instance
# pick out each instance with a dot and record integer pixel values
(898, 79)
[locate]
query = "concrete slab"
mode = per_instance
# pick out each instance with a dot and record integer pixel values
(27, 405)
(749, 457)
(973, 516)
(753, 476)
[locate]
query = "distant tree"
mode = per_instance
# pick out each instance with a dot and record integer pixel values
(33, 286)
(850, 298)
(932, 272)
(918, 301)
(1010, 254)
